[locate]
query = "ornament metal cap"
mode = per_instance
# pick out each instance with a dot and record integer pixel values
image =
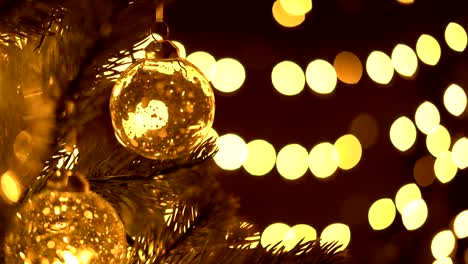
(161, 49)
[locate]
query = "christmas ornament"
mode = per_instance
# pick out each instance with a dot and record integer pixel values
(162, 107)
(66, 227)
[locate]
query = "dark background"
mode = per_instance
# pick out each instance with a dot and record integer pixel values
(245, 30)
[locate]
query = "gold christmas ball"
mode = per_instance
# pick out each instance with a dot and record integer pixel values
(162, 107)
(66, 227)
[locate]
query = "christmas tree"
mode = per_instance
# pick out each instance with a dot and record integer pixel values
(77, 194)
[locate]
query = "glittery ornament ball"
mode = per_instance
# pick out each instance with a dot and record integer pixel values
(162, 108)
(66, 227)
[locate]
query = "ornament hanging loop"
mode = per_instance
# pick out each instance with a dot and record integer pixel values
(159, 26)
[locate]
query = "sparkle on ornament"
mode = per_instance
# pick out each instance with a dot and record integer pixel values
(152, 117)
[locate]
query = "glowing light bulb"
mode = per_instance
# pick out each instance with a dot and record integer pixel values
(438, 141)
(427, 117)
(455, 100)
(381, 214)
(406, 2)
(274, 234)
(460, 153)
(455, 36)
(284, 18)
(414, 214)
(204, 61)
(323, 160)
(321, 77)
(300, 232)
(428, 49)
(446, 260)
(296, 7)
(336, 232)
(403, 133)
(291, 162)
(445, 168)
(10, 187)
(379, 67)
(460, 225)
(232, 152)
(288, 78)
(404, 60)
(349, 151)
(443, 244)
(261, 157)
(406, 194)
(348, 67)
(228, 75)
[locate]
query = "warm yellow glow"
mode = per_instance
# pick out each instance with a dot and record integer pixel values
(349, 151)
(232, 152)
(228, 75)
(460, 153)
(323, 160)
(181, 47)
(348, 67)
(204, 61)
(288, 78)
(455, 36)
(11, 190)
(69, 258)
(291, 162)
(284, 18)
(443, 244)
(403, 133)
(446, 260)
(274, 234)
(404, 60)
(381, 214)
(297, 233)
(423, 171)
(261, 157)
(296, 7)
(321, 77)
(445, 168)
(406, 2)
(406, 194)
(336, 232)
(414, 214)
(460, 225)
(365, 128)
(379, 67)
(428, 49)
(455, 100)
(438, 141)
(427, 117)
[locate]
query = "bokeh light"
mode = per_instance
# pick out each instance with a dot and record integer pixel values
(445, 168)
(438, 141)
(405, 195)
(348, 67)
(232, 152)
(443, 244)
(406, 2)
(423, 171)
(261, 157)
(10, 187)
(323, 160)
(296, 7)
(291, 162)
(414, 214)
(428, 49)
(460, 225)
(349, 151)
(288, 78)
(455, 100)
(446, 260)
(379, 67)
(228, 75)
(365, 128)
(284, 18)
(181, 47)
(336, 232)
(298, 232)
(204, 61)
(23, 146)
(274, 234)
(403, 133)
(460, 153)
(455, 36)
(321, 76)
(404, 60)
(381, 214)
(427, 117)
